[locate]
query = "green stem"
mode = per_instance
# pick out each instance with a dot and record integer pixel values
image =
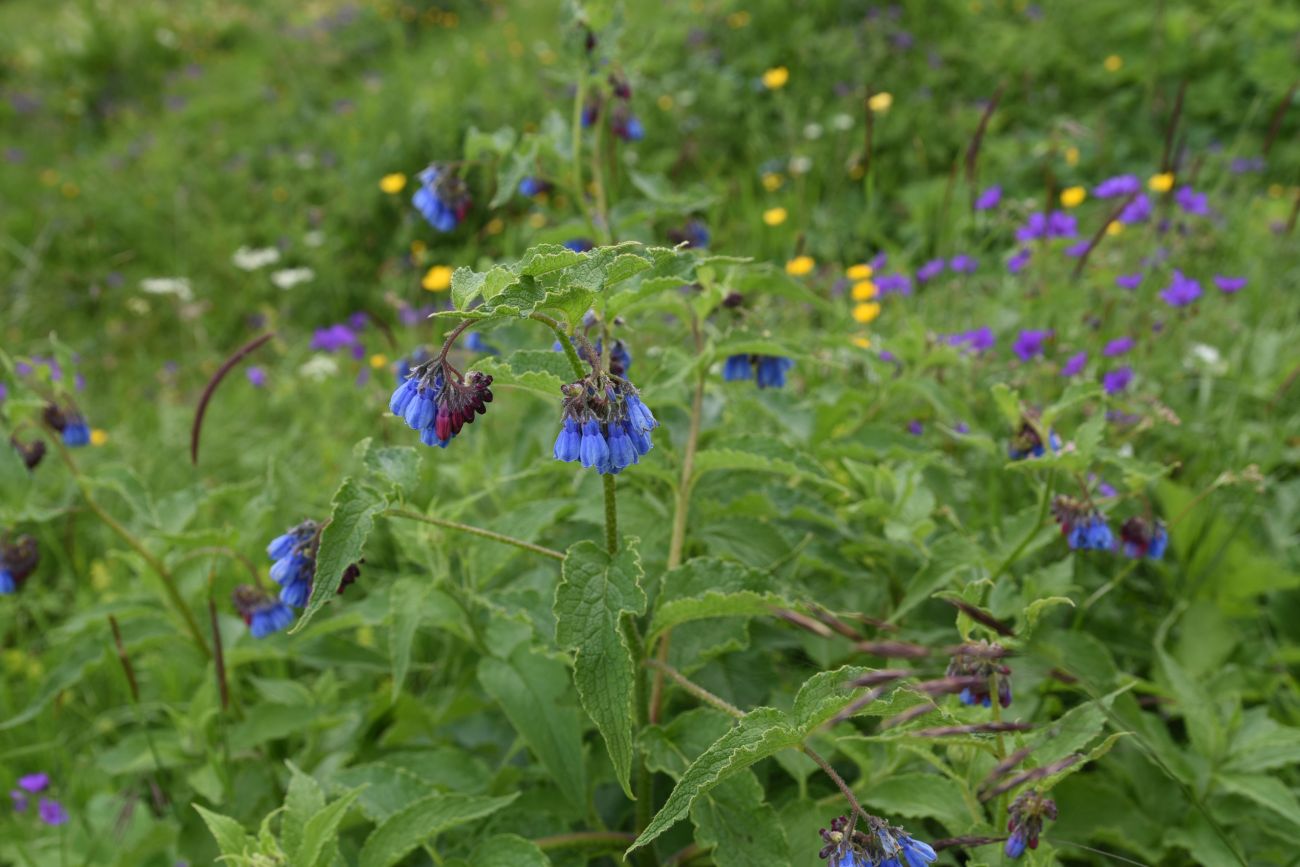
(611, 514)
(474, 531)
(584, 838)
(694, 688)
(168, 580)
(1043, 506)
(566, 344)
(601, 216)
(579, 99)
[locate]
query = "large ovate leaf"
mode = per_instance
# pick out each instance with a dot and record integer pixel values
(421, 821)
(342, 542)
(595, 592)
(710, 587)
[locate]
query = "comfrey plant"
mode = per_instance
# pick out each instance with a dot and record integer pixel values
(19, 557)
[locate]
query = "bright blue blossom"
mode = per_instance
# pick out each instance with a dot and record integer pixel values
(531, 186)
(262, 613)
(1140, 538)
(607, 434)
(294, 566)
(579, 245)
(768, 371)
(439, 407)
(76, 432)
(7, 583)
(1086, 530)
(1026, 816)
(737, 368)
(442, 198)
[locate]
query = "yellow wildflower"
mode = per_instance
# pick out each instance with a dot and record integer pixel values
(393, 184)
(1072, 156)
(862, 342)
(774, 216)
(378, 360)
(1113, 63)
(495, 226)
(98, 437)
(861, 271)
(1161, 183)
(737, 20)
(1072, 197)
(867, 312)
(776, 77)
(772, 181)
(800, 265)
(864, 291)
(880, 101)
(1114, 227)
(438, 278)
(665, 102)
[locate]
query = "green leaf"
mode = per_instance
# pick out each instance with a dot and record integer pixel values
(533, 691)
(761, 454)
(322, 830)
(922, 796)
(825, 694)
(1007, 401)
(538, 370)
(397, 465)
(78, 664)
(545, 258)
(709, 587)
(508, 850)
(303, 800)
(1268, 792)
(1036, 608)
(739, 825)
(341, 543)
(761, 733)
(595, 592)
(422, 821)
(468, 284)
(406, 607)
(386, 788)
(230, 836)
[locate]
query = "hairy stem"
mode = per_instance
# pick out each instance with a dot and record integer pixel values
(694, 688)
(837, 780)
(585, 838)
(474, 531)
(565, 343)
(168, 580)
(682, 509)
(611, 513)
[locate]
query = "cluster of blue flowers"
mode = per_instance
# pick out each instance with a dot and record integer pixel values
(263, 613)
(623, 122)
(1089, 533)
(69, 423)
(1028, 443)
(436, 403)
(1027, 813)
(294, 566)
(981, 663)
(442, 197)
(768, 371)
(1143, 539)
(1086, 529)
(881, 845)
(18, 559)
(607, 434)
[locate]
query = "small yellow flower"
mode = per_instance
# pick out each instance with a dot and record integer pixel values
(857, 171)
(98, 437)
(776, 77)
(862, 342)
(537, 221)
(867, 312)
(495, 226)
(378, 360)
(418, 247)
(772, 182)
(393, 184)
(1072, 156)
(1072, 197)
(737, 20)
(800, 265)
(1114, 227)
(774, 216)
(438, 278)
(665, 102)
(880, 101)
(1113, 63)
(1161, 183)
(861, 271)
(864, 291)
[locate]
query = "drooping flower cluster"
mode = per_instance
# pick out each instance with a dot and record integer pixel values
(1140, 538)
(623, 122)
(981, 663)
(262, 612)
(438, 401)
(1026, 821)
(605, 425)
(880, 845)
(442, 198)
(768, 371)
(69, 423)
(1028, 442)
(18, 559)
(31, 453)
(1084, 527)
(294, 566)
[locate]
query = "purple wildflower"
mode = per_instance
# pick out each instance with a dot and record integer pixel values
(34, 783)
(1118, 346)
(1246, 165)
(1181, 291)
(1115, 381)
(989, 198)
(1229, 284)
(1029, 343)
(1120, 185)
(257, 376)
(928, 271)
(978, 340)
(1136, 211)
(1074, 251)
(915, 428)
(1017, 263)
(334, 338)
(1062, 225)
(889, 284)
(1129, 281)
(1074, 364)
(52, 812)
(19, 798)
(1192, 202)
(878, 261)
(963, 264)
